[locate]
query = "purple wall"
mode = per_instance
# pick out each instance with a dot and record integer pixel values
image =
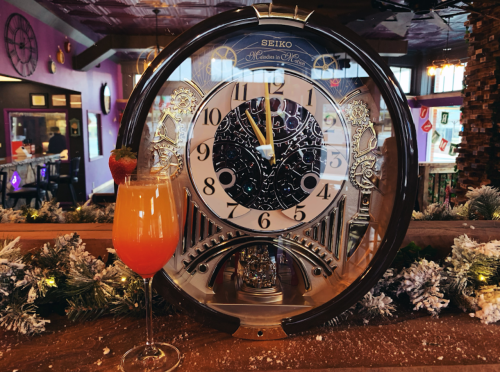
(88, 83)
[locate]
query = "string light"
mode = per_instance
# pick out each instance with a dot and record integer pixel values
(431, 71)
(482, 278)
(79, 209)
(124, 279)
(51, 282)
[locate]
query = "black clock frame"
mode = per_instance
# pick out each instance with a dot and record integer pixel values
(325, 29)
(34, 54)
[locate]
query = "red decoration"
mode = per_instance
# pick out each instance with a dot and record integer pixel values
(443, 144)
(423, 112)
(447, 193)
(334, 82)
(427, 126)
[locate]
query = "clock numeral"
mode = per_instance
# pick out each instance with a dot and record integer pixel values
(279, 88)
(264, 223)
(299, 215)
(328, 125)
(324, 193)
(237, 92)
(209, 184)
(235, 205)
(206, 151)
(338, 160)
(210, 116)
(309, 100)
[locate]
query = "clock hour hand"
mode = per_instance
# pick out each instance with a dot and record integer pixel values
(269, 123)
(264, 148)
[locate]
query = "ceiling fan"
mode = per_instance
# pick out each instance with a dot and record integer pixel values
(406, 11)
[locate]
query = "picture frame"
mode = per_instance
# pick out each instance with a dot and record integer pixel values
(94, 129)
(39, 100)
(59, 100)
(75, 101)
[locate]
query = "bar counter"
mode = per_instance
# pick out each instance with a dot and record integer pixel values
(414, 342)
(14, 161)
(25, 168)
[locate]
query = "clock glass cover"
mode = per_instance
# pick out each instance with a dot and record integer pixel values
(293, 158)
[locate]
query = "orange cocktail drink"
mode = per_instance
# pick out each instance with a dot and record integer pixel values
(145, 228)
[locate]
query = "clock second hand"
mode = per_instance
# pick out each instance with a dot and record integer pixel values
(269, 124)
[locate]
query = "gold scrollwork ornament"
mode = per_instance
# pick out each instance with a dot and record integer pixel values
(362, 172)
(167, 160)
(182, 101)
(357, 113)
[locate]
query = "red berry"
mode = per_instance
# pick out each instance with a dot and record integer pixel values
(122, 162)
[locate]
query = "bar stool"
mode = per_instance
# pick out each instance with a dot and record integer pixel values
(3, 186)
(38, 192)
(54, 167)
(71, 178)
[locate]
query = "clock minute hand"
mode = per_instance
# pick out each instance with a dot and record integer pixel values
(269, 123)
(256, 129)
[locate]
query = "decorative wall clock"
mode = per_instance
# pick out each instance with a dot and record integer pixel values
(52, 66)
(293, 152)
(67, 45)
(61, 58)
(105, 99)
(21, 45)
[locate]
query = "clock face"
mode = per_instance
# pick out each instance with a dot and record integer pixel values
(21, 45)
(231, 170)
(293, 162)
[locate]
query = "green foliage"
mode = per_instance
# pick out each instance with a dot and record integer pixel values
(81, 215)
(48, 213)
(65, 276)
(408, 255)
(124, 152)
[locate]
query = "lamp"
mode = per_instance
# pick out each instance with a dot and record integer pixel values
(148, 55)
(442, 66)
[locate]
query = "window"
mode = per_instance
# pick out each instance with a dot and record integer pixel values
(95, 136)
(39, 132)
(444, 137)
(403, 76)
(181, 73)
(449, 79)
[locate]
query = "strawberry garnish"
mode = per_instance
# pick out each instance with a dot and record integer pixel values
(122, 162)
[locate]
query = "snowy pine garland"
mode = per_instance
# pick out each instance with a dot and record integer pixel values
(50, 212)
(483, 204)
(64, 274)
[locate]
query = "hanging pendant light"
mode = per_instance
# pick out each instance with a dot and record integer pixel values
(443, 66)
(148, 55)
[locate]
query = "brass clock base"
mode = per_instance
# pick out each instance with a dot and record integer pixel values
(258, 295)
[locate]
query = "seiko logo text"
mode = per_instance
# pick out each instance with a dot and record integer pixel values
(277, 43)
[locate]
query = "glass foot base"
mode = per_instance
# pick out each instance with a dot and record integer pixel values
(166, 359)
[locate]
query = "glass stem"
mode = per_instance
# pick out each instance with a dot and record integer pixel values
(148, 291)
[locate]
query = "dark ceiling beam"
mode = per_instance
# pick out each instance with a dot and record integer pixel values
(389, 48)
(109, 45)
